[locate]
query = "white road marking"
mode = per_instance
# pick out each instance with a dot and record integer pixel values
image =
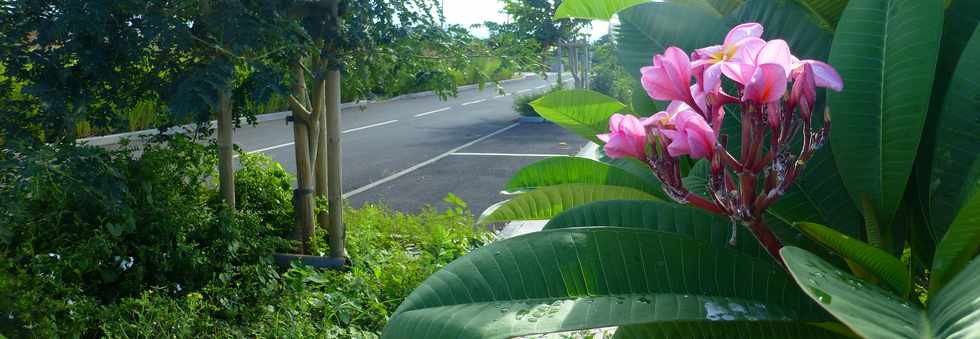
(512, 155)
(540, 87)
(268, 148)
(343, 132)
(474, 102)
(425, 163)
(369, 126)
(500, 96)
(524, 91)
(432, 112)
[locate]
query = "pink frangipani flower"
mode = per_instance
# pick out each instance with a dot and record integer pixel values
(626, 138)
(740, 46)
(670, 76)
(691, 135)
(767, 84)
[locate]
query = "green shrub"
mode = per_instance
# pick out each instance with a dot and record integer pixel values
(105, 243)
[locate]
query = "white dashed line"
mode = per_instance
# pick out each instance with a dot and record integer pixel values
(344, 132)
(512, 155)
(426, 163)
(432, 112)
(369, 126)
(540, 87)
(474, 102)
(524, 91)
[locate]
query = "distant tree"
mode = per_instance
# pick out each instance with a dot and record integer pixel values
(534, 19)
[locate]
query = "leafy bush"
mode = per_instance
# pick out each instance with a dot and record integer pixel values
(105, 243)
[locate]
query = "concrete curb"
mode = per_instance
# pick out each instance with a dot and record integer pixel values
(114, 139)
(516, 228)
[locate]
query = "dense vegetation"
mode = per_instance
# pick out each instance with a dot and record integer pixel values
(98, 242)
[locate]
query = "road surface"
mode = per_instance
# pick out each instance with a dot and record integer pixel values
(411, 153)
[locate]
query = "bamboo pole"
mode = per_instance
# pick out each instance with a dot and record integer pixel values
(337, 231)
(226, 169)
(561, 65)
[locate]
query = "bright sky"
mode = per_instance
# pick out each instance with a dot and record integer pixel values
(469, 12)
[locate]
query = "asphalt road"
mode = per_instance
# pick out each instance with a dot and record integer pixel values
(411, 153)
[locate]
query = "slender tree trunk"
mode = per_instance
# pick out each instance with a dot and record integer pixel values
(226, 169)
(588, 67)
(561, 66)
(303, 195)
(337, 231)
(573, 62)
(322, 176)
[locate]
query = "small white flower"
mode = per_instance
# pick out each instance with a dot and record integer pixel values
(55, 255)
(70, 302)
(178, 288)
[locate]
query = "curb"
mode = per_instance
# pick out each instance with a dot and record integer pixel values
(114, 139)
(516, 228)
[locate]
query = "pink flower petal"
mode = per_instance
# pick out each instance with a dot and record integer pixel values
(825, 75)
(738, 71)
(767, 84)
(712, 77)
(776, 52)
(747, 50)
(743, 31)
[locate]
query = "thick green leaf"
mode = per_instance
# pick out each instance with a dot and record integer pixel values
(876, 261)
(659, 216)
(875, 313)
(886, 51)
(584, 112)
(826, 12)
(572, 170)
(960, 245)
(717, 7)
(593, 9)
(570, 279)
(545, 203)
(958, 28)
(956, 156)
(727, 329)
(697, 180)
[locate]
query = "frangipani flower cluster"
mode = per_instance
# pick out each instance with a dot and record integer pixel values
(775, 92)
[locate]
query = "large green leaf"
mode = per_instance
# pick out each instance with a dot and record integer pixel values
(546, 202)
(572, 170)
(570, 279)
(875, 313)
(960, 245)
(876, 261)
(958, 28)
(886, 51)
(956, 156)
(717, 7)
(658, 216)
(826, 12)
(593, 9)
(584, 112)
(728, 329)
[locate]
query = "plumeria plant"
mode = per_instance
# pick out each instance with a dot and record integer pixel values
(776, 95)
(639, 232)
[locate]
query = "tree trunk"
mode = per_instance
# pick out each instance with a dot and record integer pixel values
(573, 61)
(337, 231)
(587, 77)
(303, 195)
(322, 176)
(226, 169)
(561, 66)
